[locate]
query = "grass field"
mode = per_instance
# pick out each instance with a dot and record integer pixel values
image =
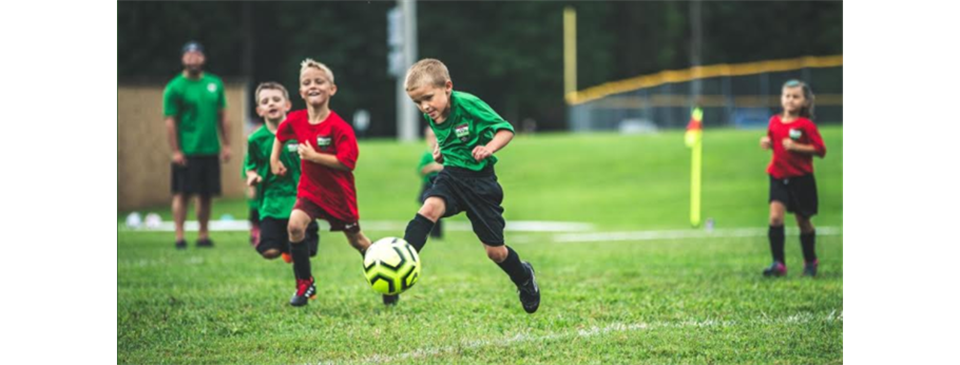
(646, 300)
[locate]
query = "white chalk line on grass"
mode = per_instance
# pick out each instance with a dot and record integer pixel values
(243, 225)
(668, 235)
(581, 333)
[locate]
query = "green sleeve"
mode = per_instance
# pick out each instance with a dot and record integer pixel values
(171, 101)
(425, 160)
(222, 97)
(489, 119)
(249, 160)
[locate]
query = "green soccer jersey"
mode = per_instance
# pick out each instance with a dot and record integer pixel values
(195, 104)
(276, 194)
(471, 123)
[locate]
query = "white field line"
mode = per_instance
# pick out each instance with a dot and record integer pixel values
(676, 234)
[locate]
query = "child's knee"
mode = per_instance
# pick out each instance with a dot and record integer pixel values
(270, 254)
(776, 221)
(776, 217)
(296, 231)
(497, 253)
(433, 208)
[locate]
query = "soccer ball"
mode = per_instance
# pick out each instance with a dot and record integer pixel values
(391, 265)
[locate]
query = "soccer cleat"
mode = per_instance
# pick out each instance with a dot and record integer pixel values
(810, 268)
(286, 257)
(206, 242)
(775, 269)
(181, 244)
(529, 291)
(306, 289)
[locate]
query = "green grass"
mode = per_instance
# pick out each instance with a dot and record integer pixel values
(698, 300)
(617, 182)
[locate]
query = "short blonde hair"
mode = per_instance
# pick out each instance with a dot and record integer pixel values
(427, 70)
(270, 85)
(310, 63)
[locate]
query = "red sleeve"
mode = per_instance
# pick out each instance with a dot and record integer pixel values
(285, 130)
(815, 140)
(347, 150)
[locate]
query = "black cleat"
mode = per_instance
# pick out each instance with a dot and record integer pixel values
(529, 291)
(181, 244)
(776, 269)
(205, 243)
(810, 268)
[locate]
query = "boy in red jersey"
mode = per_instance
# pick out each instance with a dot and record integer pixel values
(328, 154)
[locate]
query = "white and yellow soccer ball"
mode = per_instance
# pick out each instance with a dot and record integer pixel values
(391, 265)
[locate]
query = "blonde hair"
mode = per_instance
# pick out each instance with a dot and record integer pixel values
(270, 85)
(427, 70)
(310, 63)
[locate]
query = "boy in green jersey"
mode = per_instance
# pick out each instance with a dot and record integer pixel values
(468, 133)
(276, 193)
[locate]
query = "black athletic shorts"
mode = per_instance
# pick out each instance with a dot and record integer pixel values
(273, 235)
(798, 194)
(476, 192)
(201, 176)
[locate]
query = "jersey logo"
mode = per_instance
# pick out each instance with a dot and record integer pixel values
(462, 131)
(324, 142)
(292, 146)
(795, 134)
(211, 87)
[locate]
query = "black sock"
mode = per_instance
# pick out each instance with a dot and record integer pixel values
(417, 231)
(513, 267)
(808, 241)
(437, 230)
(776, 243)
(301, 259)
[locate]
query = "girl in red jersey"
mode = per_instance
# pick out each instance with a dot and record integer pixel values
(794, 140)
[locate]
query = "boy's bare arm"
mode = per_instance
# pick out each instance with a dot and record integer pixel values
(253, 178)
(499, 141)
(275, 165)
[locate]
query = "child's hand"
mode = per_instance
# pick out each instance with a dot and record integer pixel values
(765, 143)
(278, 169)
(253, 179)
(437, 156)
(251, 192)
(481, 152)
(225, 154)
(789, 144)
(179, 158)
(306, 151)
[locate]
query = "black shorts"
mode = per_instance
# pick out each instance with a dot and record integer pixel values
(201, 176)
(273, 235)
(422, 197)
(798, 194)
(476, 192)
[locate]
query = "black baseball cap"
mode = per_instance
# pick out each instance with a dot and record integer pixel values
(192, 46)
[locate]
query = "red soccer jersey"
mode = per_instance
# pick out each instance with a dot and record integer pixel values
(786, 164)
(331, 189)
